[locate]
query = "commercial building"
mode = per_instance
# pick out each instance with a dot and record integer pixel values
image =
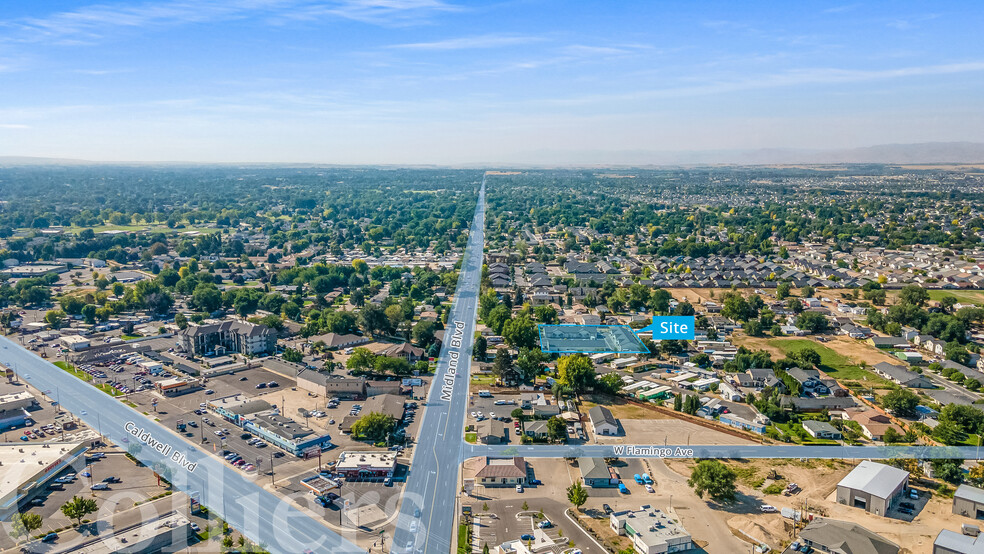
(596, 473)
(248, 339)
(969, 501)
(652, 531)
(758, 425)
(366, 465)
(339, 387)
(872, 487)
(844, 537)
(949, 542)
(26, 469)
(237, 408)
(171, 533)
(14, 409)
(176, 387)
(603, 422)
(75, 342)
(286, 434)
(502, 472)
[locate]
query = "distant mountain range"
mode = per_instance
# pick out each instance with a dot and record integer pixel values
(920, 153)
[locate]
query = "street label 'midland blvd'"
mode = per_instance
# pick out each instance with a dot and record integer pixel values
(653, 451)
(452, 370)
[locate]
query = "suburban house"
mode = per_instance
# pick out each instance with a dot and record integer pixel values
(821, 430)
(405, 351)
(873, 423)
(902, 376)
(872, 487)
(603, 422)
(536, 429)
(758, 378)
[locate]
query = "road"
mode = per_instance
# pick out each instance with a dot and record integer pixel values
(260, 515)
(432, 484)
(723, 451)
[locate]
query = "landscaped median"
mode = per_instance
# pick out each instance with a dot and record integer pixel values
(87, 378)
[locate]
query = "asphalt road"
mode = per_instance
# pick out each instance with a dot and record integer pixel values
(260, 515)
(427, 514)
(723, 451)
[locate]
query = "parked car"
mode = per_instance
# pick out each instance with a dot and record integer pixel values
(622, 488)
(99, 487)
(519, 488)
(908, 505)
(769, 509)
(50, 537)
(650, 489)
(545, 524)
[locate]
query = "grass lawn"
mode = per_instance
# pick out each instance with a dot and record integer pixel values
(831, 362)
(471, 437)
(787, 428)
(973, 296)
(131, 337)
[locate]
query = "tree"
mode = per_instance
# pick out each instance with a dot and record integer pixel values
(373, 427)
(206, 298)
(25, 523)
(294, 356)
(808, 291)
(502, 367)
(753, 328)
(913, 295)
(423, 333)
(393, 366)
(530, 363)
(948, 470)
(89, 313)
(520, 332)
(54, 318)
(892, 436)
(480, 349)
(609, 383)
(372, 319)
(976, 475)
(556, 428)
(714, 478)
(577, 495)
(78, 507)
(782, 290)
(815, 322)
(902, 402)
(576, 372)
(362, 359)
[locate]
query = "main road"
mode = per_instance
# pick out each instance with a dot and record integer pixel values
(260, 515)
(427, 513)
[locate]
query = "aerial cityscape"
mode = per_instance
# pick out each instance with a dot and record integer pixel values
(427, 277)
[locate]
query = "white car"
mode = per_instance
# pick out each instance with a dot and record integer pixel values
(473, 414)
(650, 489)
(769, 509)
(519, 488)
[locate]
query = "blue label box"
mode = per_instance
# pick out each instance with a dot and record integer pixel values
(667, 327)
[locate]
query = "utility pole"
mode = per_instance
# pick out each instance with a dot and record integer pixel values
(272, 480)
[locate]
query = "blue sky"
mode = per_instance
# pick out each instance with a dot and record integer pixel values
(435, 81)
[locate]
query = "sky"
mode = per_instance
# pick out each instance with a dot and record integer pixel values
(455, 82)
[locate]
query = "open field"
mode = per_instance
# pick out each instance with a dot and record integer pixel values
(839, 364)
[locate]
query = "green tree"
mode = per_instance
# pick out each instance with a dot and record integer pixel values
(502, 367)
(948, 470)
(480, 349)
(902, 402)
(530, 363)
(576, 372)
(423, 333)
(715, 479)
(25, 523)
(362, 359)
(782, 290)
(79, 507)
(577, 495)
(913, 295)
(54, 318)
(294, 356)
(815, 322)
(372, 320)
(520, 332)
(373, 427)
(556, 428)
(89, 313)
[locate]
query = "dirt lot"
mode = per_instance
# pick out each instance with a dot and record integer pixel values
(621, 409)
(818, 480)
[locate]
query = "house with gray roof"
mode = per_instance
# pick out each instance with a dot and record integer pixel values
(902, 376)
(596, 473)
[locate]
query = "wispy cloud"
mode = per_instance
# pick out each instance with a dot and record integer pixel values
(376, 12)
(98, 21)
(808, 76)
(14, 126)
(469, 43)
(842, 9)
